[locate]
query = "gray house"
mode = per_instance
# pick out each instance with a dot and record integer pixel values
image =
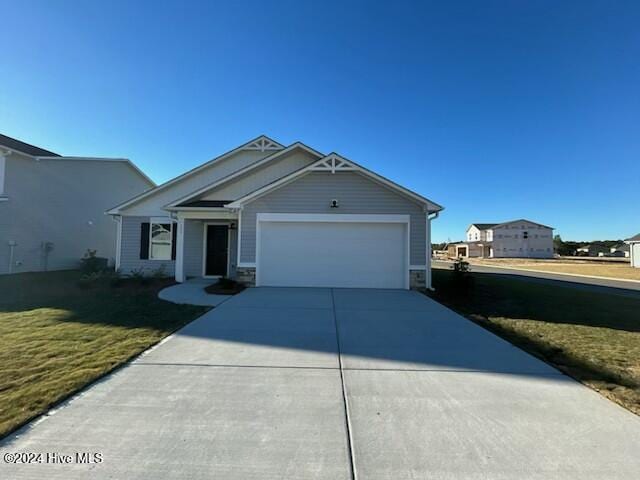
(271, 215)
(52, 207)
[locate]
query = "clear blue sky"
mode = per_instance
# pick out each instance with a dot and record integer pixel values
(496, 110)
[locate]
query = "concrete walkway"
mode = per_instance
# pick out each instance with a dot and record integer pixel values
(192, 292)
(335, 384)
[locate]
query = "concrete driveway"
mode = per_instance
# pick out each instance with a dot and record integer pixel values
(335, 384)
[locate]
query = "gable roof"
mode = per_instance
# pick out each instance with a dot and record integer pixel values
(635, 238)
(522, 220)
(262, 143)
(297, 145)
(23, 147)
(482, 226)
(335, 163)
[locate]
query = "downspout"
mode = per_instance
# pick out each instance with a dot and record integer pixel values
(428, 284)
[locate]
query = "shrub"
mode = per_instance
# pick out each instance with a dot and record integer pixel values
(139, 276)
(225, 286)
(91, 263)
(159, 273)
(227, 283)
(461, 278)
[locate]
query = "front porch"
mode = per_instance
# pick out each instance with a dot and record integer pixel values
(206, 245)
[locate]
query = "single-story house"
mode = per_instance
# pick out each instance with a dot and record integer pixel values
(592, 250)
(621, 250)
(268, 214)
(52, 206)
(634, 244)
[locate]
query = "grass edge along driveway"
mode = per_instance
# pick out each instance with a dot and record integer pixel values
(593, 337)
(55, 337)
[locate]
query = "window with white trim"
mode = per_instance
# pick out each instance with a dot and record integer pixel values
(160, 235)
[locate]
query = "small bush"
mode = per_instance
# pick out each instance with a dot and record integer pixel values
(225, 286)
(461, 278)
(139, 276)
(91, 263)
(159, 273)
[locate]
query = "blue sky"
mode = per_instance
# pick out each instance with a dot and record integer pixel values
(496, 110)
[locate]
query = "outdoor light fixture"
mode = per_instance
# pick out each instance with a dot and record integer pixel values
(334, 203)
(232, 226)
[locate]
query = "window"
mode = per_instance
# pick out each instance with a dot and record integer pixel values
(160, 241)
(525, 234)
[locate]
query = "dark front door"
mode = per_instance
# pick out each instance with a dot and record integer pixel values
(217, 250)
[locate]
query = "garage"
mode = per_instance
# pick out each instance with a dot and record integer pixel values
(324, 250)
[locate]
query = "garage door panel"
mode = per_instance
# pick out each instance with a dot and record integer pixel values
(327, 254)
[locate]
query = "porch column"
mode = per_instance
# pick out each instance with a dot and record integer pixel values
(180, 251)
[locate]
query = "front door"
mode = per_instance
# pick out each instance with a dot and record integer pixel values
(216, 250)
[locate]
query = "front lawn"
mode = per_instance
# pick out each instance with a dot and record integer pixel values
(593, 337)
(56, 337)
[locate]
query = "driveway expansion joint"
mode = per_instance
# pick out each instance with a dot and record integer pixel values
(347, 419)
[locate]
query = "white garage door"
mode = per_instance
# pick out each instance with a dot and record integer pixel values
(358, 254)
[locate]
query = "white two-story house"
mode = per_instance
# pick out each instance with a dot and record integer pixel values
(515, 239)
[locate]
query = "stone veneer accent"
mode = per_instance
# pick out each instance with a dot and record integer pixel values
(417, 279)
(246, 276)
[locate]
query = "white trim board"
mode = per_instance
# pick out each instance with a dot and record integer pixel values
(332, 217)
(116, 209)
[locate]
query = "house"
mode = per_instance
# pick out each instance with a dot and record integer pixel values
(273, 215)
(621, 250)
(634, 244)
(514, 239)
(592, 250)
(52, 206)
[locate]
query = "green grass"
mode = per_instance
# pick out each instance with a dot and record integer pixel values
(593, 337)
(56, 337)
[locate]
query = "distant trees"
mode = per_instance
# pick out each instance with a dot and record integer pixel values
(438, 246)
(569, 248)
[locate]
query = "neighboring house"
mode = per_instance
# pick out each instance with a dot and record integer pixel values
(515, 239)
(622, 250)
(271, 215)
(52, 207)
(634, 244)
(592, 250)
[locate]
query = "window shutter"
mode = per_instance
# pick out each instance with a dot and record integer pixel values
(174, 238)
(144, 241)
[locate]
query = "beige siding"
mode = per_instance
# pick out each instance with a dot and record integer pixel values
(355, 193)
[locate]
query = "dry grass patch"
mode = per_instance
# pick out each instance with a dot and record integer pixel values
(56, 337)
(610, 270)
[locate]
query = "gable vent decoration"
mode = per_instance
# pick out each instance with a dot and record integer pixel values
(263, 144)
(333, 163)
